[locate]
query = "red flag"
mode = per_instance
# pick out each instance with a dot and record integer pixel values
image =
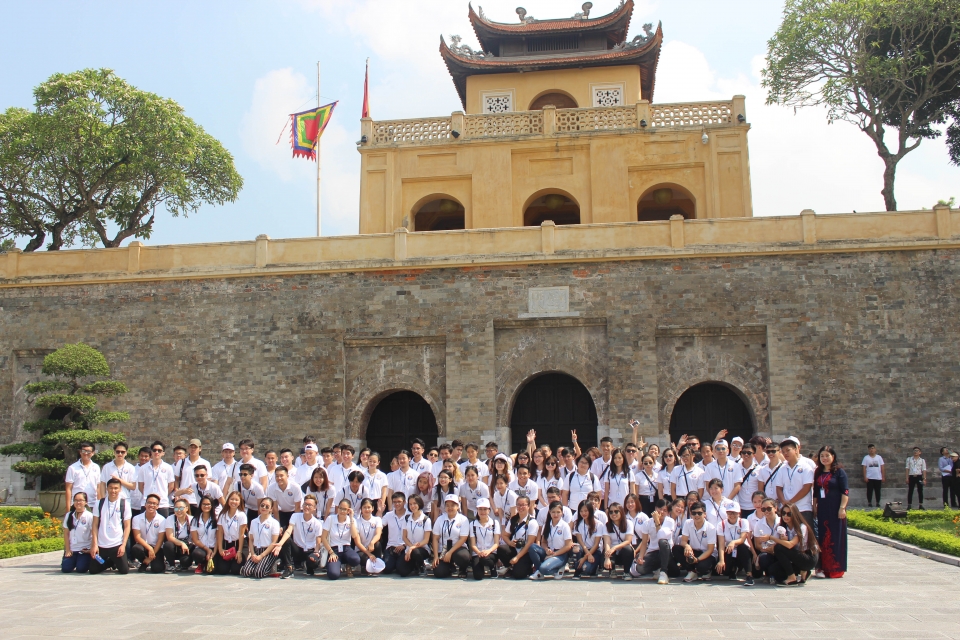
(366, 92)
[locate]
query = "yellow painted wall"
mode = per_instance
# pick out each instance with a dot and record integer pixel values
(605, 172)
(527, 87)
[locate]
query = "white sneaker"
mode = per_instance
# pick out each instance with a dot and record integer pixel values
(691, 576)
(820, 574)
(502, 571)
(559, 575)
(664, 579)
(536, 576)
(627, 577)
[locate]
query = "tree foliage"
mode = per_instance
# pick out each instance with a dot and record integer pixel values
(891, 67)
(95, 159)
(71, 401)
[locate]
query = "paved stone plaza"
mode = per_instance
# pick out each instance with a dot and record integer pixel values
(888, 594)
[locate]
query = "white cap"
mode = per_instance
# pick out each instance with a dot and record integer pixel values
(228, 445)
(794, 440)
(734, 507)
(737, 439)
(483, 502)
(720, 443)
(453, 498)
(310, 447)
(375, 565)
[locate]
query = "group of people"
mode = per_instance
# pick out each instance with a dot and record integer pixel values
(948, 467)
(754, 510)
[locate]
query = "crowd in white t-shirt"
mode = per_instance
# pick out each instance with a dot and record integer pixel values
(604, 510)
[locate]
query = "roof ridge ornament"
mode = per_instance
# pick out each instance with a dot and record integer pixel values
(524, 17)
(638, 41)
(585, 14)
(464, 50)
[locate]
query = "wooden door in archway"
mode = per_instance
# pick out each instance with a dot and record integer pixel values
(396, 421)
(553, 404)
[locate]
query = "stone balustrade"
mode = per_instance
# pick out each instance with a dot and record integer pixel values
(402, 249)
(551, 122)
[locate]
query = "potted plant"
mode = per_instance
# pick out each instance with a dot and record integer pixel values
(69, 399)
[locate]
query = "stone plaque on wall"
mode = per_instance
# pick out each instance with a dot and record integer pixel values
(549, 302)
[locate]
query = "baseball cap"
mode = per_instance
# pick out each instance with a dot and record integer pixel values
(310, 447)
(794, 440)
(721, 443)
(195, 442)
(737, 439)
(454, 499)
(734, 507)
(228, 445)
(483, 502)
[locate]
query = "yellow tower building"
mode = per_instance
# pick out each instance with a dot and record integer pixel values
(559, 125)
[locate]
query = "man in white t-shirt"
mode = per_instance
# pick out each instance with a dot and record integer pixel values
(874, 473)
(247, 447)
(795, 481)
(697, 552)
(83, 475)
(183, 469)
(723, 469)
(686, 477)
(601, 465)
(339, 473)
(157, 478)
(473, 460)
(417, 462)
(110, 532)
(225, 471)
(306, 467)
(149, 532)
(120, 469)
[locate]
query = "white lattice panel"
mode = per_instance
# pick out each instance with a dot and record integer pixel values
(500, 125)
(420, 131)
(597, 119)
(498, 103)
(691, 115)
(607, 96)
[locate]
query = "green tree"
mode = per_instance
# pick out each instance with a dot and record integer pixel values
(7, 244)
(70, 401)
(97, 157)
(887, 66)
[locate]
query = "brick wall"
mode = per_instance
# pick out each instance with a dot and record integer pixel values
(836, 348)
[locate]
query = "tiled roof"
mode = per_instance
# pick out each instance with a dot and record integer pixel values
(625, 10)
(646, 56)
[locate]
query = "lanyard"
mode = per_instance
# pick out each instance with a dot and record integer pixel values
(342, 530)
(304, 529)
(367, 528)
(261, 525)
(581, 482)
(233, 525)
(701, 537)
(446, 530)
(716, 508)
(723, 472)
(686, 480)
(373, 479)
(247, 493)
(178, 528)
(619, 480)
(414, 524)
(791, 472)
(156, 474)
(554, 531)
(114, 512)
(483, 531)
(521, 525)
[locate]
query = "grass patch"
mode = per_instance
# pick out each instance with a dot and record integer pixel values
(933, 530)
(17, 549)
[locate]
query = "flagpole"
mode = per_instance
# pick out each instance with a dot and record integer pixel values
(318, 154)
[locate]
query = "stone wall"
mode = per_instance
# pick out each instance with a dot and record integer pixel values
(839, 348)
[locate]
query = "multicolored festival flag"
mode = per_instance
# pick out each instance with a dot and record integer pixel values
(306, 129)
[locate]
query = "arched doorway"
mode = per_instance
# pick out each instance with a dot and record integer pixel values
(706, 408)
(397, 419)
(440, 214)
(556, 98)
(665, 200)
(553, 404)
(559, 207)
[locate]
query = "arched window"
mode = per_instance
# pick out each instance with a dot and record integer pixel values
(553, 404)
(665, 200)
(559, 207)
(706, 408)
(440, 214)
(557, 99)
(397, 419)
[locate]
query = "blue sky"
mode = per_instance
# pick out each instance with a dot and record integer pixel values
(237, 68)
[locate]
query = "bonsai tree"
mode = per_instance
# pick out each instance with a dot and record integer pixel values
(70, 402)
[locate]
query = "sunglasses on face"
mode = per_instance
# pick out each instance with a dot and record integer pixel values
(696, 513)
(157, 450)
(615, 513)
(199, 475)
(120, 453)
(179, 508)
(767, 509)
(647, 464)
(631, 450)
(264, 506)
(86, 452)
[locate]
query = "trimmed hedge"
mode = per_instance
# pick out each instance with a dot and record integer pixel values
(932, 540)
(21, 514)
(16, 549)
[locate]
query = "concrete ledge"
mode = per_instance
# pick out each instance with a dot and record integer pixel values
(48, 558)
(903, 546)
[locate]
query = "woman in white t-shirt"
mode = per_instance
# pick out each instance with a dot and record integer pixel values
(176, 547)
(449, 540)
(446, 486)
(645, 484)
(797, 551)
(203, 535)
(471, 491)
(617, 549)
(375, 484)
(551, 477)
(264, 534)
(231, 536)
(424, 487)
(416, 538)
(557, 543)
(580, 483)
(339, 533)
(500, 466)
(77, 536)
(503, 499)
(616, 485)
(518, 553)
(484, 541)
(669, 461)
(369, 532)
(766, 532)
(589, 537)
